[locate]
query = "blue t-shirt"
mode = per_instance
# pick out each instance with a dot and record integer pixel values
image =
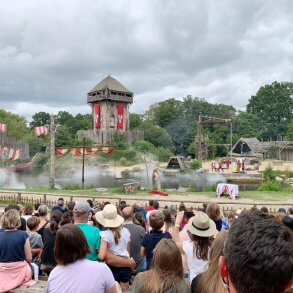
(150, 241)
(12, 245)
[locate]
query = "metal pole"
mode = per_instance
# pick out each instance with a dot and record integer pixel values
(52, 153)
(82, 172)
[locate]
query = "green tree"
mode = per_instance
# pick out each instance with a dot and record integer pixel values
(135, 120)
(290, 130)
(40, 119)
(273, 105)
(63, 136)
(16, 125)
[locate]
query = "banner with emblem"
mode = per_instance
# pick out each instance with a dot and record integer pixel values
(97, 118)
(120, 116)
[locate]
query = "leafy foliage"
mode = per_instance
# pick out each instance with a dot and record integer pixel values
(135, 120)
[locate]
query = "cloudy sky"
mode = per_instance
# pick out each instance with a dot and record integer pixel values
(52, 52)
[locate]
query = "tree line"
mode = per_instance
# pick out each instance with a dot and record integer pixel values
(173, 122)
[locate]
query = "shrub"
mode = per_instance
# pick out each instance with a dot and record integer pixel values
(129, 154)
(270, 186)
(195, 164)
(144, 146)
(162, 154)
(41, 161)
(120, 142)
(269, 174)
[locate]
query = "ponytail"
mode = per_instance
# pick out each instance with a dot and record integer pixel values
(116, 233)
(55, 220)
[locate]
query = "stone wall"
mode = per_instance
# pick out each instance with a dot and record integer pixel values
(103, 137)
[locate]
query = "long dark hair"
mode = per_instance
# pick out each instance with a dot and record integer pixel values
(201, 246)
(54, 221)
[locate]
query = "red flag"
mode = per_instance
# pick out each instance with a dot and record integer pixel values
(120, 111)
(3, 127)
(41, 130)
(97, 120)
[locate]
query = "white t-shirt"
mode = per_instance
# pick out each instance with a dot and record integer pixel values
(80, 277)
(119, 249)
(196, 266)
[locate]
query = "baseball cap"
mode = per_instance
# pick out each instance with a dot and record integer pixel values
(81, 206)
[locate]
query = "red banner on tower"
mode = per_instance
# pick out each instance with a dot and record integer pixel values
(3, 127)
(120, 112)
(97, 118)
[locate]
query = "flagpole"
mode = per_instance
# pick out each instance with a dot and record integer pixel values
(52, 153)
(82, 171)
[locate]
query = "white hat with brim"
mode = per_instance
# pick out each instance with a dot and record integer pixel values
(108, 217)
(201, 225)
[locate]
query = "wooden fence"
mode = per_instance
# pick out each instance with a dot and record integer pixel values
(31, 198)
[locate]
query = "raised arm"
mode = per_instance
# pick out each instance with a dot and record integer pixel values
(178, 222)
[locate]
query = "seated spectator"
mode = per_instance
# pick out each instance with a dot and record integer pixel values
(49, 236)
(139, 219)
(15, 253)
(74, 273)
(59, 206)
(28, 212)
(210, 281)
(214, 213)
(35, 239)
(136, 235)
(201, 230)
(22, 220)
(166, 273)
(151, 239)
(70, 207)
(117, 240)
(168, 225)
(92, 234)
(264, 210)
(43, 216)
(258, 255)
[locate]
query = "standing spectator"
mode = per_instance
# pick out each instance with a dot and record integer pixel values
(70, 206)
(28, 212)
(136, 234)
(49, 236)
(43, 216)
(117, 239)
(36, 207)
(15, 253)
(35, 239)
(150, 207)
(210, 281)
(59, 206)
(172, 209)
(74, 273)
(200, 229)
(258, 255)
(156, 207)
(166, 273)
(92, 234)
(151, 239)
(22, 220)
(168, 225)
(139, 220)
(214, 213)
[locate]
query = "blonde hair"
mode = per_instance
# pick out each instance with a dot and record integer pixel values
(166, 271)
(213, 211)
(11, 220)
(116, 233)
(210, 281)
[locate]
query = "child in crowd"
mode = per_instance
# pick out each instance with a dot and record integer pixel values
(152, 238)
(35, 239)
(117, 239)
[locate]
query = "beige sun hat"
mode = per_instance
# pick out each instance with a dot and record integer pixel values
(108, 217)
(201, 225)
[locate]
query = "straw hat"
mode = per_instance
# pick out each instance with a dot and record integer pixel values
(108, 217)
(201, 225)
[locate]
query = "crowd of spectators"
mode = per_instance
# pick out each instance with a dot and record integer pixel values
(87, 246)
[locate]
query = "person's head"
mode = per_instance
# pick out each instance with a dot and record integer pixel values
(36, 205)
(166, 269)
(28, 210)
(254, 208)
(91, 203)
(182, 207)
(210, 280)
(65, 219)
(138, 219)
(60, 202)
(12, 207)
(123, 202)
(156, 219)
(10, 220)
(213, 211)
(258, 255)
(204, 206)
(264, 210)
(167, 215)
(151, 203)
(70, 206)
(156, 205)
(127, 213)
(81, 212)
(290, 211)
(42, 210)
(282, 210)
(230, 216)
(54, 221)
(70, 238)
(201, 229)
(172, 209)
(109, 217)
(288, 221)
(33, 223)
